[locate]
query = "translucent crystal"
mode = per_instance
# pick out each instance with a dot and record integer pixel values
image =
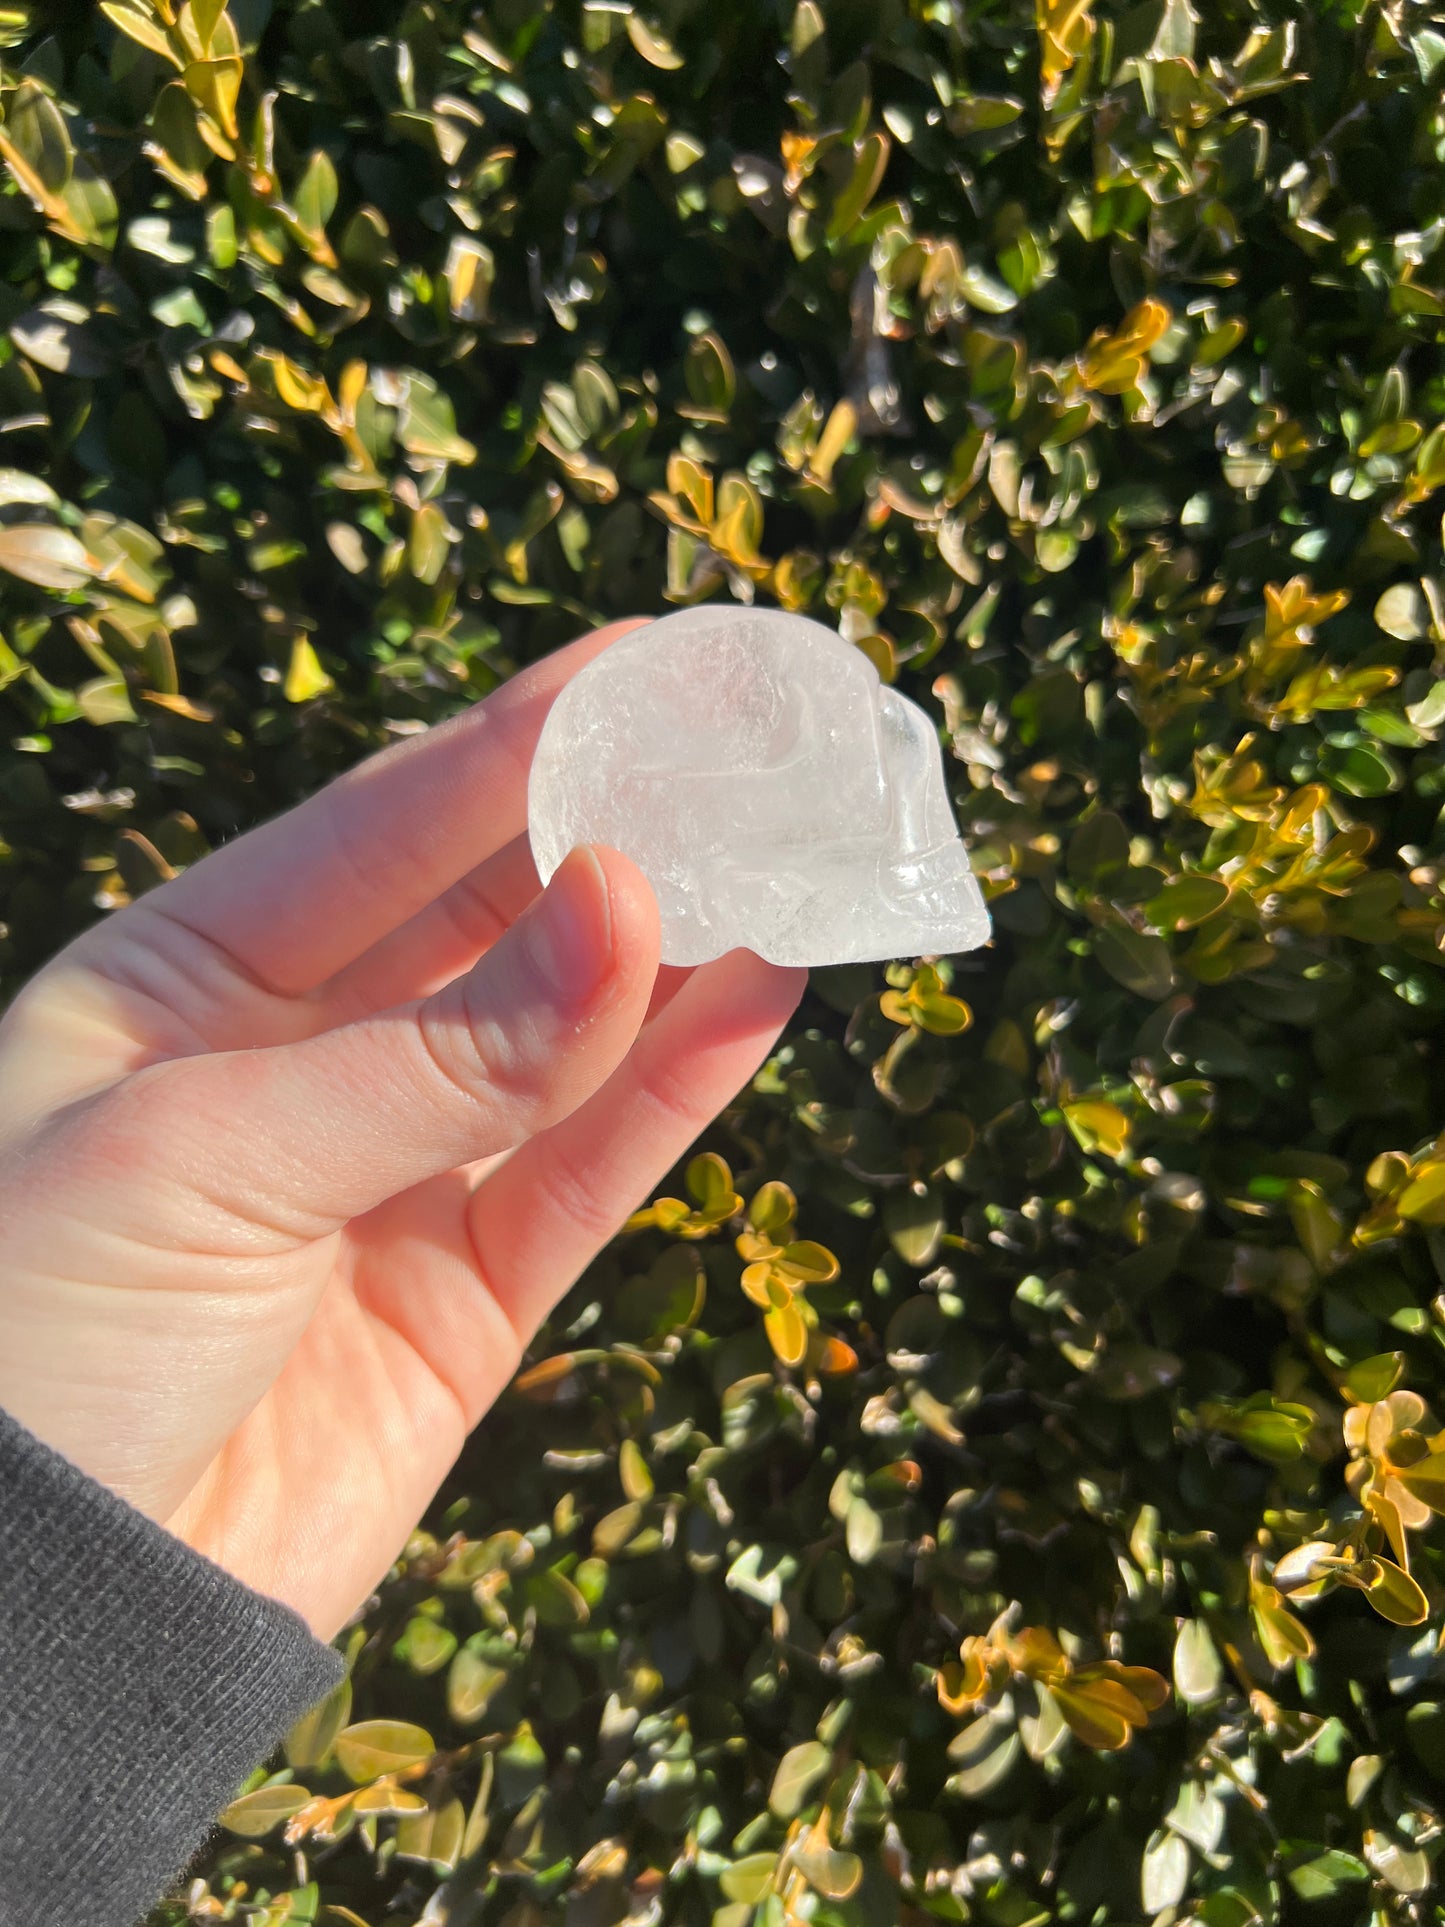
(772, 790)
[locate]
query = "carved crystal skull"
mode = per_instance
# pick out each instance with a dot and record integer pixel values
(773, 791)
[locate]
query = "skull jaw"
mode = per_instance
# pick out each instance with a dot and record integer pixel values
(935, 921)
(902, 905)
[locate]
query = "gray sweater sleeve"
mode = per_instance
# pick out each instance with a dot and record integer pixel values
(139, 1684)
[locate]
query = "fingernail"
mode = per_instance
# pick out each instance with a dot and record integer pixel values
(569, 934)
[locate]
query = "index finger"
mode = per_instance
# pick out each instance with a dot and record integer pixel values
(296, 900)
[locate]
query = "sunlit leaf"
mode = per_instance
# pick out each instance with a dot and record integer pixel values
(381, 1746)
(48, 556)
(256, 1814)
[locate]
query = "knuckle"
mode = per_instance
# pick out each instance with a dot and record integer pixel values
(589, 1204)
(472, 1054)
(667, 1094)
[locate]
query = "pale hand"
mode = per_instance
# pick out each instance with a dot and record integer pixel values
(263, 1263)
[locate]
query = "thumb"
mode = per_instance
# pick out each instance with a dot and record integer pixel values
(302, 1137)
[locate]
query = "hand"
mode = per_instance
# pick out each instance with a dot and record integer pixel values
(255, 1274)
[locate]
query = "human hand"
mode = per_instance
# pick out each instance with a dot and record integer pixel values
(262, 1265)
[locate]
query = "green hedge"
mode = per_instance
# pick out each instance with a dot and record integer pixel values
(1085, 366)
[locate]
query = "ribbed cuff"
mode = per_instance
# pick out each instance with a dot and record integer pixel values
(139, 1685)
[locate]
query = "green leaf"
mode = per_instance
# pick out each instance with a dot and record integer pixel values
(426, 426)
(430, 543)
(1406, 1869)
(1322, 1876)
(637, 1481)
(104, 700)
(1360, 770)
(863, 1532)
(708, 372)
(1140, 963)
(215, 86)
(374, 1747)
(1394, 1594)
(256, 1814)
(869, 162)
(425, 1644)
(914, 1221)
(710, 1182)
(1401, 612)
(986, 1753)
(1099, 847)
(669, 1297)
(983, 113)
(140, 25)
(1423, 1198)
(1198, 1815)
(314, 200)
(1186, 901)
(798, 1772)
(556, 1600)
(654, 46)
(830, 1872)
(36, 127)
(472, 1684)
(49, 557)
(434, 1836)
(1375, 1378)
(1163, 1872)
(205, 17)
(1175, 41)
(311, 1739)
(748, 1879)
(90, 204)
(1275, 1431)
(1198, 1669)
(470, 273)
(762, 1573)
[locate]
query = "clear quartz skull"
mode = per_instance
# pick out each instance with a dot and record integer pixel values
(773, 791)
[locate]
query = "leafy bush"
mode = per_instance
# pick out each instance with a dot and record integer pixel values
(1000, 1486)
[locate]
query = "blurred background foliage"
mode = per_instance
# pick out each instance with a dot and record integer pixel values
(1000, 1484)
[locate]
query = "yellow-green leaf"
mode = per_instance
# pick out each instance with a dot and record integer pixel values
(1098, 1125)
(470, 271)
(1097, 1713)
(215, 86)
(870, 161)
(255, 1814)
(374, 1747)
(798, 1772)
(787, 1332)
(36, 128)
(472, 1684)
(314, 1734)
(138, 23)
(314, 200)
(434, 1835)
(1393, 1593)
(305, 678)
(1283, 1636)
(49, 557)
(1423, 1198)
(637, 1480)
(749, 1879)
(654, 46)
(837, 432)
(832, 1873)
